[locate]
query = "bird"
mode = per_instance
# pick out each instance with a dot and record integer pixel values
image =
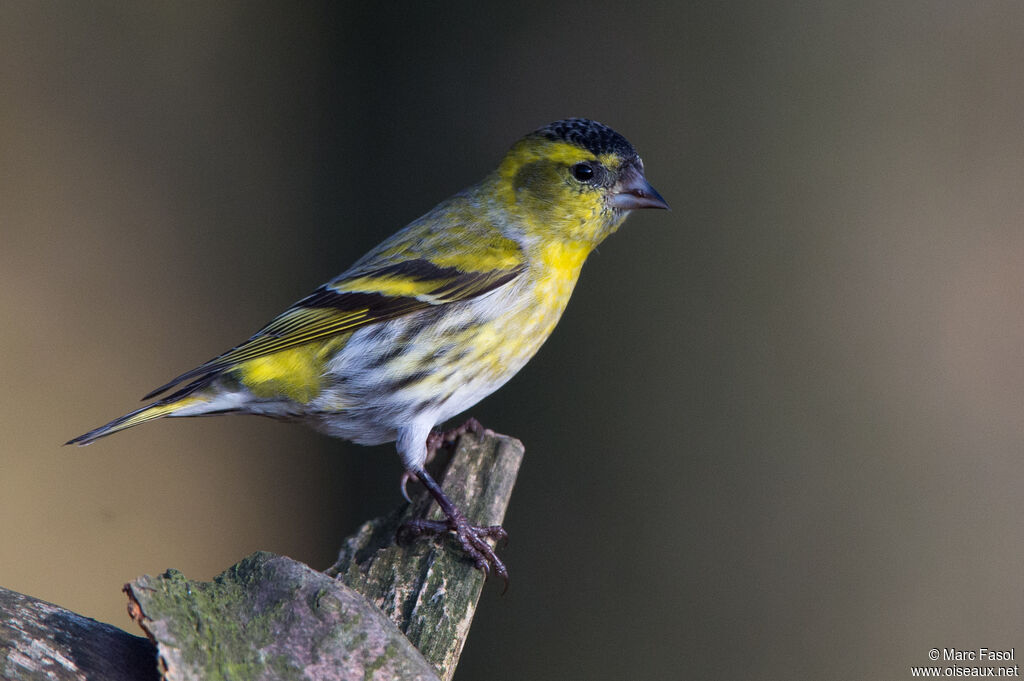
(433, 319)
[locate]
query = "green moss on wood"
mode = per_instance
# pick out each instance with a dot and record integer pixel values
(270, 617)
(430, 590)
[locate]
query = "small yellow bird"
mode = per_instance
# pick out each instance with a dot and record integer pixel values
(436, 317)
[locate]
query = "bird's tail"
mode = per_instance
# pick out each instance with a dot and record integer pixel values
(183, 406)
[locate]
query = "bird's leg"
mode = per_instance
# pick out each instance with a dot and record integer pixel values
(472, 538)
(438, 439)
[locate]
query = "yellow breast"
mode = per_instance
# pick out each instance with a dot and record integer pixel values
(516, 337)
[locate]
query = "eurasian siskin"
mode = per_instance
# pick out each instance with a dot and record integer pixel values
(436, 317)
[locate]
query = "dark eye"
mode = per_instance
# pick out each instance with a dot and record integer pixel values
(584, 172)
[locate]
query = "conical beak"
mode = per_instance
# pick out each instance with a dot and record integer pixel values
(633, 191)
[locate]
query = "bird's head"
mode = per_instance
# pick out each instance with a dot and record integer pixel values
(575, 180)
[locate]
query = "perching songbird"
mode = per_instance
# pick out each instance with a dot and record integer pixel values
(436, 317)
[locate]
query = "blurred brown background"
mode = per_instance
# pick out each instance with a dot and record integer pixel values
(779, 431)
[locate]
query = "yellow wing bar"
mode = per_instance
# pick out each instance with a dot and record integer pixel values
(350, 302)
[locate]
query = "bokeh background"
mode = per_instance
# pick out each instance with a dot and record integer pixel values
(778, 433)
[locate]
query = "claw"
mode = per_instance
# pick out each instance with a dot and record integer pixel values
(472, 538)
(470, 426)
(406, 477)
(437, 440)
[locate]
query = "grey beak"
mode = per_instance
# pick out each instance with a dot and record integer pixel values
(633, 191)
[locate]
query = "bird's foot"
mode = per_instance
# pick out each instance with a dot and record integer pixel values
(438, 439)
(472, 539)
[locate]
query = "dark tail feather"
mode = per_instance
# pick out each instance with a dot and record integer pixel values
(148, 413)
(204, 372)
(168, 406)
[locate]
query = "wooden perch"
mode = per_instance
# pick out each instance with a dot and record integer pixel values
(39, 640)
(429, 590)
(382, 611)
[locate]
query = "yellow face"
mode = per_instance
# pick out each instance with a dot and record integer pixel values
(562, 189)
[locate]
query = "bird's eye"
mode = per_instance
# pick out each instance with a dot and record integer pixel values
(584, 172)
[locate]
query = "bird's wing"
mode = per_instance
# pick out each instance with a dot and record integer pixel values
(365, 294)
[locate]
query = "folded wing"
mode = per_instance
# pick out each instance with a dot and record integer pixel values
(353, 300)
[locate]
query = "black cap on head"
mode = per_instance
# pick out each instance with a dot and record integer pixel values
(591, 135)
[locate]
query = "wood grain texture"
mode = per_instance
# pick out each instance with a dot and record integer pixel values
(383, 611)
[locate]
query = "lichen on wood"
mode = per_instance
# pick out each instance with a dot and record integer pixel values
(383, 611)
(429, 589)
(269, 618)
